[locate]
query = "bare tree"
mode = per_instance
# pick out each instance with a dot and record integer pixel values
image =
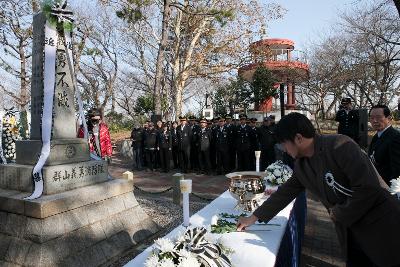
(16, 47)
(98, 54)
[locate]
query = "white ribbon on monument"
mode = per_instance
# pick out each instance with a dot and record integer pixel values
(47, 113)
(3, 159)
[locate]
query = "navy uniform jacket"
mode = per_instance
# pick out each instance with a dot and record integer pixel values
(222, 138)
(195, 135)
(348, 123)
(266, 138)
(174, 136)
(244, 137)
(164, 139)
(184, 137)
(150, 139)
(384, 152)
(205, 136)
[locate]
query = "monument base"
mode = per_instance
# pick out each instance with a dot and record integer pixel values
(82, 227)
(56, 178)
(61, 151)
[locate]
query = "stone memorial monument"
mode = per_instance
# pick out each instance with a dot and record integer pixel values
(77, 215)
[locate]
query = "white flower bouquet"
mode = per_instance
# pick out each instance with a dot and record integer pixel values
(193, 249)
(277, 173)
(395, 187)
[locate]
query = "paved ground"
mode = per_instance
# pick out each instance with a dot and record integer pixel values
(320, 246)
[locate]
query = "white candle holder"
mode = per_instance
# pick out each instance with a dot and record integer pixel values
(258, 154)
(186, 189)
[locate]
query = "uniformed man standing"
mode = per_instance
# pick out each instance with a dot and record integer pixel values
(243, 139)
(205, 137)
(232, 152)
(348, 120)
(223, 142)
(137, 149)
(164, 147)
(213, 149)
(267, 143)
(184, 133)
(175, 150)
(150, 146)
(255, 146)
(194, 146)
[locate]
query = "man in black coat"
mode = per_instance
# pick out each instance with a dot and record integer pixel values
(243, 139)
(194, 146)
(267, 143)
(223, 141)
(255, 142)
(175, 147)
(150, 146)
(164, 147)
(232, 152)
(384, 150)
(348, 120)
(184, 133)
(205, 137)
(137, 148)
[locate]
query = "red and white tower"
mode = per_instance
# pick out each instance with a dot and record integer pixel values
(287, 64)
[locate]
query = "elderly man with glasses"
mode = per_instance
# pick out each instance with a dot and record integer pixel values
(384, 150)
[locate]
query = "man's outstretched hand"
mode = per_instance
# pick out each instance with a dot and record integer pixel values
(244, 222)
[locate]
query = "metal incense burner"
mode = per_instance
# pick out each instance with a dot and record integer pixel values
(248, 190)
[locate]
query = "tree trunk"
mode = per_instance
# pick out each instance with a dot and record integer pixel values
(160, 57)
(23, 78)
(178, 97)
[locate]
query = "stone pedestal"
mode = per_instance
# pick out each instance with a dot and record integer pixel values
(57, 178)
(82, 227)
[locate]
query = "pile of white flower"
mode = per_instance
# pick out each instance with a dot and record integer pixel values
(277, 173)
(395, 187)
(189, 250)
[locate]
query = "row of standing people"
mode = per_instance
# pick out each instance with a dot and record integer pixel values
(203, 146)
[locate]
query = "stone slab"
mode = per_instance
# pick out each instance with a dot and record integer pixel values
(92, 244)
(50, 205)
(39, 21)
(57, 178)
(64, 120)
(62, 151)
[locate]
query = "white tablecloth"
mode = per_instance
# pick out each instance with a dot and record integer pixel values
(251, 248)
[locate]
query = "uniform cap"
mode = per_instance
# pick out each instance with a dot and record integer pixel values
(346, 100)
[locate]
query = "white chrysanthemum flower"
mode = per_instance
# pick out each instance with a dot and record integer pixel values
(167, 263)
(185, 253)
(189, 262)
(152, 261)
(164, 245)
(277, 173)
(394, 186)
